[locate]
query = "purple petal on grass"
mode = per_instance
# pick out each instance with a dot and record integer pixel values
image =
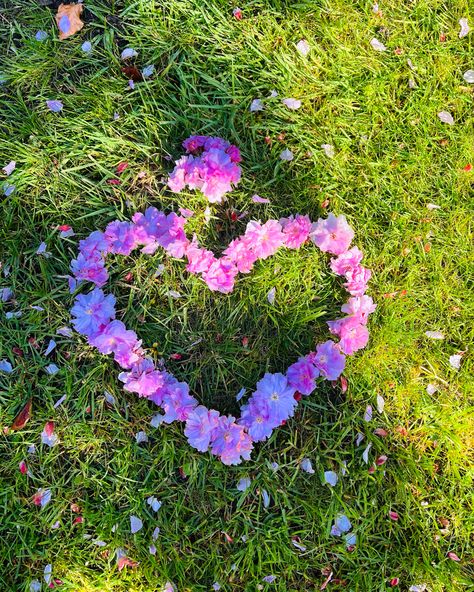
(131, 84)
(216, 586)
(41, 36)
(155, 534)
(9, 168)
(49, 439)
(341, 524)
(256, 105)
(64, 24)
(154, 503)
(240, 394)
(148, 71)
(157, 420)
(65, 331)
(141, 437)
(269, 579)
(51, 346)
(306, 466)
(128, 53)
(377, 45)
(135, 524)
(36, 307)
(417, 588)
(59, 402)
(257, 199)
(99, 543)
(368, 413)
(173, 294)
(35, 586)
(303, 47)
(351, 539)
(42, 250)
(86, 47)
(54, 105)
(8, 189)
(6, 294)
(13, 315)
(431, 389)
(446, 117)
(152, 550)
(51, 369)
(298, 545)
(244, 483)
(464, 28)
(168, 587)
(48, 570)
(109, 398)
(287, 155)
(331, 478)
(271, 296)
(6, 367)
(266, 498)
(292, 104)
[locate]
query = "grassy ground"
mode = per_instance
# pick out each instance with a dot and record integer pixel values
(393, 156)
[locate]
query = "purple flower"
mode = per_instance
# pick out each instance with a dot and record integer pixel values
(357, 280)
(296, 230)
(94, 245)
(346, 261)
(329, 360)
(54, 105)
(220, 276)
(359, 307)
(177, 402)
(353, 335)
(143, 378)
(92, 311)
(120, 237)
(266, 239)
(90, 270)
(333, 234)
(112, 336)
(274, 390)
(257, 417)
(200, 424)
(230, 442)
(302, 376)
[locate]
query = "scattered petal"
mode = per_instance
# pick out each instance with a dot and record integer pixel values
(331, 478)
(50, 348)
(54, 105)
(431, 389)
(256, 105)
(109, 398)
(432, 206)
(368, 413)
(269, 579)
(6, 367)
(42, 497)
(446, 117)
(365, 454)
(434, 334)
(377, 45)
(141, 437)
(266, 498)
(8, 189)
(48, 570)
(155, 533)
(303, 47)
(469, 76)
(292, 104)
(86, 47)
(351, 539)
(455, 361)
(48, 436)
(23, 417)
(152, 549)
(393, 515)
(464, 28)
(128, 53)
(452, 555)
(23, 468)
(306, 465)
(9, 168)
(381, 432)
(59, 402)
(381, 460)
(154, 503)
(42, 250)
(237, 12)
(173, 294)
(257, 199)
(271, 296)
(380, 403)
(359, 438)
(51, 369)
(135, 524)
(240, 394)
(297, 544)
(417, 588)
(244, 483)
(35, 586)
(148, 71)
(287, 155)
(157, 420)
(216, 586)
(65, 331)
(328, 150)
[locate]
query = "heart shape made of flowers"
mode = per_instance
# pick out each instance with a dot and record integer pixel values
(276, 395)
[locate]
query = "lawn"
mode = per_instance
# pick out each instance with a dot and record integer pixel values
(399, 174)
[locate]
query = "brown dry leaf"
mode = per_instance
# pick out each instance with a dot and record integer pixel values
(132, 73)
(68, 19)
(22, 418)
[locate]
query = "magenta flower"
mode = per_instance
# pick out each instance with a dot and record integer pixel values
(359, 307)
(126, 357)
(92, 311)
(220, 276)
(346, 261)
(112, 336)
(332, 235)
(241, 255)
(357, 280)
(120, 237)
(177, 402)
(143, 378)
(257, 417)
(199, 260)
(296, 230)
(353, 335)
(94, 246)
(274, 390)
(302, 376)
(90, 269)
(230, 442)
(200, 424)
(266, 239)
(329, 360)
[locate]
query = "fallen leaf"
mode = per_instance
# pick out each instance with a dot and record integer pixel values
(132, 73)
(68, 19)
(23, 417)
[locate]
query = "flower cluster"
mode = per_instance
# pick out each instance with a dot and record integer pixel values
(211, 165)
(276, 395)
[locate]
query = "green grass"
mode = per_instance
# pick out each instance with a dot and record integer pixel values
(392, 157)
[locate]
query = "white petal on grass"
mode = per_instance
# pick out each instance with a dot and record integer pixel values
(6, 367)
(128, 53)
(257, 199)
(417, 588)
(359, 438)
(156, 420)
(377, 45)
(446, 117)
(266, 498)
(42, 250)
(431, 389)
(109, 398)
(51, 369)
(273, 94)
(434, 334)
(244, 483)
(464, 28)
(287, 155)
(328, 150)
(375, 8)
(135, 524)
(469, 76)
(152, 549)
(35, 586)
(411, 83)
(207, 215)
(292, 104)
(141, 437)
(331, 478)
(365, 454)
(432, 206)
(303, 47)
(298, 545)
(173, 294)
(307, 466)
(380, 403)
(271, 296)
(256, 105)
(455, 361)
(148, 71)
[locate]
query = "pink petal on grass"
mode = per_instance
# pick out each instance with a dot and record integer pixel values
(452, 555)
(303, 47)
(446, 117)
(464, 28)
(393, 515)
(262, 200)
(292, 104)
(377, 45)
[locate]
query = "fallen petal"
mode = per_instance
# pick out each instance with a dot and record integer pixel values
(377, 45)
(464, 28)
(446, 117)
(307, 466)
(135, 524)
(331, 478)
(303, 47)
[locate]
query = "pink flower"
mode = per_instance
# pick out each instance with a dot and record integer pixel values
(346, 261)
(333, 235)
(199, 260)
(91, 269)
(353, 335)
(357, 279)
(302, 376)
(231, 442)
(359, 307)
(220, 276)
(143, 379)
(296, 230)
(177, 402)
(112, 336)
(266, 239)
(240, 253)
(94, 245)
(200, 424)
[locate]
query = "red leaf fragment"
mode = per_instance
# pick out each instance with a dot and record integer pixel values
(394, 582)
(227, 537)
(393, 515)
(452, 555)
(114, 181)
(23, 468)
(176, 357)
(23, 417)
(237, 12)
(245, 341)
(343, 380)
(468, 168)
(64, 227)
(49, 428)
(78, 520)
(121, 167)
(297, 396)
